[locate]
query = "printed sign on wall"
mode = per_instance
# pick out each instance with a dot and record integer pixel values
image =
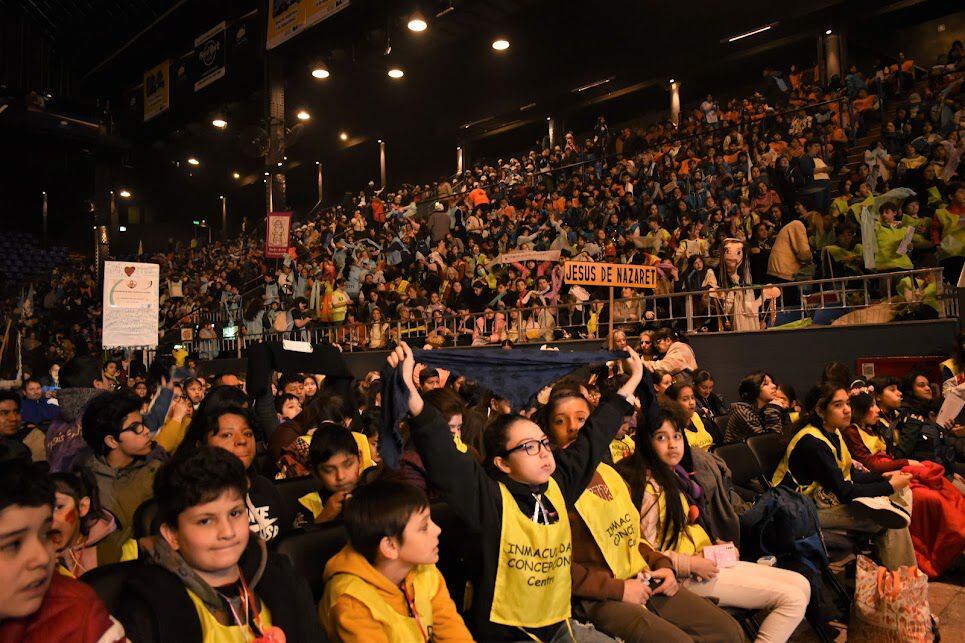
(209, 50)
(157, 90)
(130, 304)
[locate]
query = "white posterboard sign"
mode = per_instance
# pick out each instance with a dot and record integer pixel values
(130, 304)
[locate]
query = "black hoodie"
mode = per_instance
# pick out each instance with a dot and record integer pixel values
(475, 497)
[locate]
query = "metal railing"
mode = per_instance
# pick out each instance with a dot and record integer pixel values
(852, 300)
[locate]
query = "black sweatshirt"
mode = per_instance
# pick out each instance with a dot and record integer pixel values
(475, 497)
(812, 460)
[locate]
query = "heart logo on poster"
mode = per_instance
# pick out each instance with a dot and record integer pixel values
(129, 270)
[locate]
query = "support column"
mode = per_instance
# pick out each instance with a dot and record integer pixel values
(275, 108)
(551, 130)
(224, 218)
(833, 60)
(382, 161)
(43, 211)
(675, 103)
(459, 160)
(318, 171)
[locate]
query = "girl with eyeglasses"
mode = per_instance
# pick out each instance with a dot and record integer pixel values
(518, 502)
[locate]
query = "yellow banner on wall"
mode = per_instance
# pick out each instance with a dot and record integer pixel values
(288, 18)
(157, 90)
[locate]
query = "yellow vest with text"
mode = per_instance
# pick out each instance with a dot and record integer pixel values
(614, 523)
(533, 572)
(843, 460)
(699, 438)
(622, 448)
(398, 628)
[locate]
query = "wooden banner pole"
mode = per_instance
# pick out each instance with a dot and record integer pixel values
(611, 319)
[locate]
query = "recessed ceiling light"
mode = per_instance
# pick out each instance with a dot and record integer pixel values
(672, 81)
(220, 123)
(395, 72)
(417, 23)
(320, 71)
(235, 175)
(193, 161)
(827, 33)
(124, 193)
(343, 136)
(302, 115)
(500, 44)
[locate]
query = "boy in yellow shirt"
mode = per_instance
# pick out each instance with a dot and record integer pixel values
(383, 585)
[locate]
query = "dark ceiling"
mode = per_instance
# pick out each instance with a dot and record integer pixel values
(452, 78)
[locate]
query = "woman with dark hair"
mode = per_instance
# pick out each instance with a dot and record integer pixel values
(818, 464)
(708, 400)
(607, 564)
(758, 411)
(678, 357)
(230, 428)
(916, 433)
(659, 483)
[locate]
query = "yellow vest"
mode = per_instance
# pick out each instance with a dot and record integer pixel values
(889, 239)
(872, 441)
(953, 234)
(614, 523)
(844, 460)
(622, 448)
(365, 450)
(699, 438)
(215, 632)
(398, 628)
(694, 538)
(533, 574)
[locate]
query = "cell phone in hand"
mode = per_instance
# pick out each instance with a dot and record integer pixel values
(654, 582)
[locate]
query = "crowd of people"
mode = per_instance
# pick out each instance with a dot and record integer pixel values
(740, 193)
(595, 510)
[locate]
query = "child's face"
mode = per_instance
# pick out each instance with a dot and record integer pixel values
(374, 449)
(235, 436)
(339, 473)
(212, 536)
(420, 540)
(520, 465)
(290, 409)
(67, 518)
(568, 417)
(310, 386)
(134, 440)
(668, 444)
(687, 400)
(890, 398)
(195, 392)
(26, 559)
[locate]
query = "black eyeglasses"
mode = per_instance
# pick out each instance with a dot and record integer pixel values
(137, 428)
(532, 447)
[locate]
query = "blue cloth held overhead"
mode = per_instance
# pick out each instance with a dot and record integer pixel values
(516, 375)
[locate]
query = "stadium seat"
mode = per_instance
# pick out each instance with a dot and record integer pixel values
(108, 581)
(745, 469)
(310, 549)
(769, 448)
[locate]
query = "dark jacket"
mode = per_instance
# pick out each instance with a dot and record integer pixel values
(155, 606)
(475, 497)
(917, 437)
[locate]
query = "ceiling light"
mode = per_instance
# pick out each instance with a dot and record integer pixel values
(320, 71)
(500, 44)
(235, 175)
(827, 33)
(302, 115)
(125, 194)
(343, 136)
(417, 22)
(220, 123)
(380, 141)
(395, 72)
(122, 228)
(279, 163)
(751, 33)
(672, 81)
(193, 161)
